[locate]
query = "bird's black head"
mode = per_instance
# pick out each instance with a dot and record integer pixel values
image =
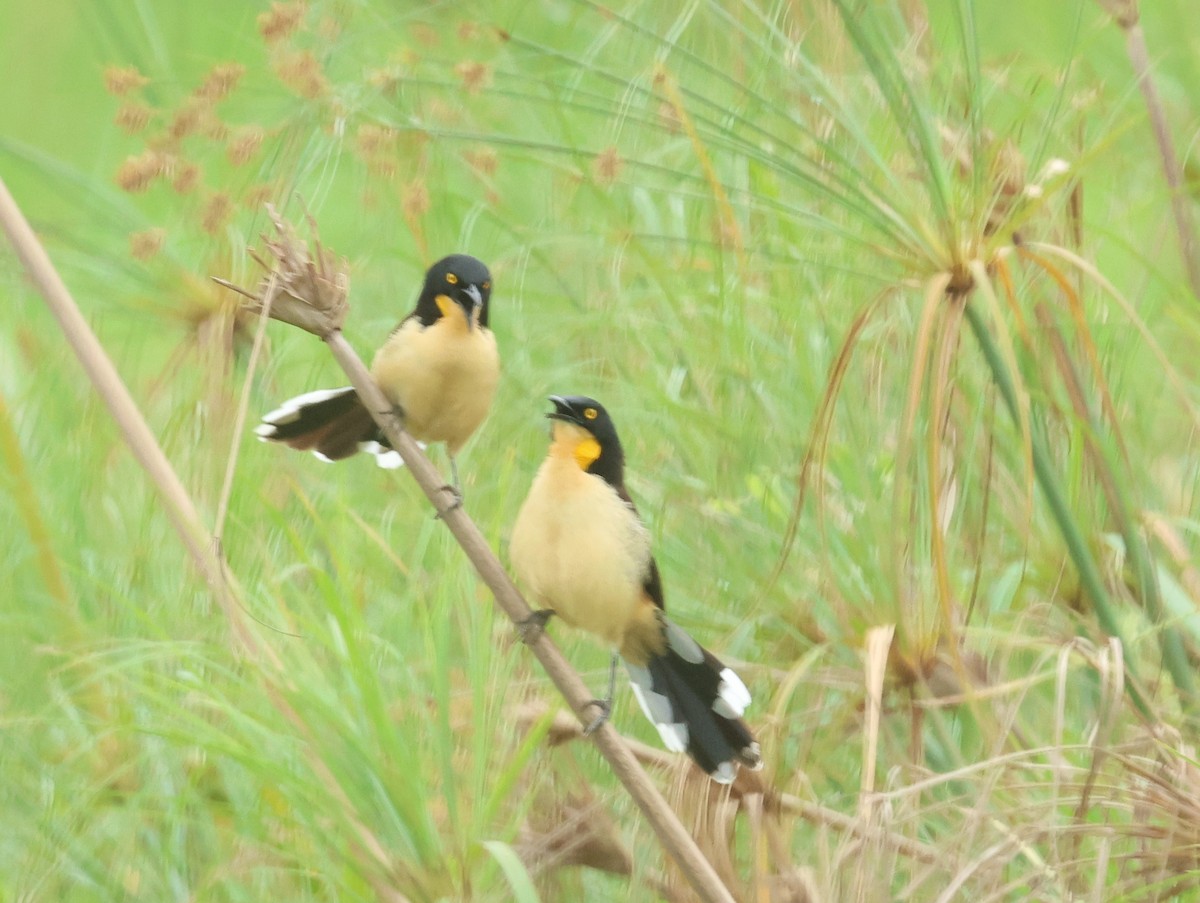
(595, 447)
(458, 281)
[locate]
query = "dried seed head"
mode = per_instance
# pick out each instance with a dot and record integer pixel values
(188, 120)
(215, 130)
(301, 72)
(133, 117)
(415, 202)
(280, 21)
(121, 80)
(376, 139)
(475, 76)
(384, 167)
(144, 245)
(386, 80)
(244, 144)
(220, 81)
(607, 166)
(425, 35)
(137, 173)
(482, 159)
(217, 210)
(187, 177)
(306, 289)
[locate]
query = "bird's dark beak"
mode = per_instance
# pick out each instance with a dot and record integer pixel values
(476, 296)
(562, 410)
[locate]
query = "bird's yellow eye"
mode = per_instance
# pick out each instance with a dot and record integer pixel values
(590, 413)
(486, 286)
(452, 279)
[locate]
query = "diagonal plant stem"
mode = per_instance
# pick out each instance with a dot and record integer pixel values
(183, 514)
(198, 541)
(675, 839)
(125, 412)
(1127, 15)
(671, 832)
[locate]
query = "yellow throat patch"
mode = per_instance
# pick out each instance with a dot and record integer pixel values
(587, 450)
(576, 443)
(454, 315)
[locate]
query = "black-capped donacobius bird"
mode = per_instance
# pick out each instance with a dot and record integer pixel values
(439, 368)
(581, 550)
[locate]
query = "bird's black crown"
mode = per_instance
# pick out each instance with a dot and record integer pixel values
(461, 277)
(590, 415)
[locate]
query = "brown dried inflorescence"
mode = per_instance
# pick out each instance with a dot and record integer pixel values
(482, 159)
(138, 173)
(187, 177)
(305, 290)
(376, 139)
(386, 80)
(301, 72)
(188, 119)
(376, 144)
(133, 117)
(146, 244)
(475, 76)
(280, 21)
(244, 144)
(220, 81)
(122, 80)
(217, 210)
(415, 202)
(607, 166)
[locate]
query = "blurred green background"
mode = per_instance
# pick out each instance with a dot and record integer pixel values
(874, 358)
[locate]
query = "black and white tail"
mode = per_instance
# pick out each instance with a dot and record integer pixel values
(331, 423)
(696, 703)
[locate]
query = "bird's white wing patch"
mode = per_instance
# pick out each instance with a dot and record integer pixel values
(732, 695)
(290, 409)
(387, 458)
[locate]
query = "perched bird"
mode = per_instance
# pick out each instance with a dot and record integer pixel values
(582, 551)
(439, 367)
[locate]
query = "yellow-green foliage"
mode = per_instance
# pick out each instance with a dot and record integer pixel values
(886, 299)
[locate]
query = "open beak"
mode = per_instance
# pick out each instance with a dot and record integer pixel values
(562, 410)
(476, 296)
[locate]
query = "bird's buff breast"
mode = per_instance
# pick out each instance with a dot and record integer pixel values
(580, 550)
(442, 376)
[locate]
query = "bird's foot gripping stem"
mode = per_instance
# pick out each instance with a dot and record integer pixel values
(456, 500)
(454, 487)
(605, 707)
